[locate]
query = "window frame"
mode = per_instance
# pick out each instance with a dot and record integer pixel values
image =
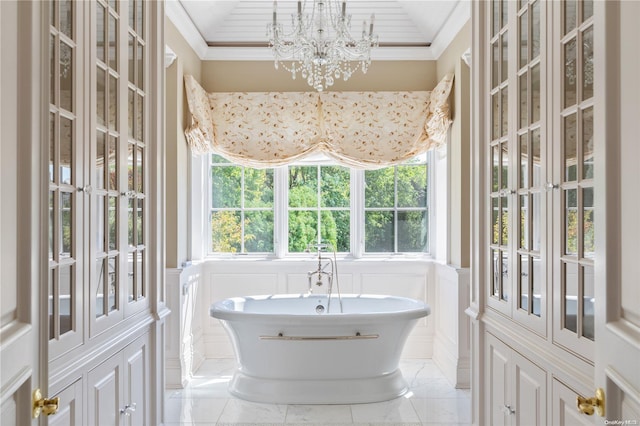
(281, 209)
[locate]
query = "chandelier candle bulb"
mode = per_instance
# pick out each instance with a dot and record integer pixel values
(344, 9)
(371, 26)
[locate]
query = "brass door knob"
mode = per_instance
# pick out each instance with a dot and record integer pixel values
(43, 405)
(590, 405)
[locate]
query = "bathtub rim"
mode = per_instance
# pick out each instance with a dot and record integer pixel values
(416, 308)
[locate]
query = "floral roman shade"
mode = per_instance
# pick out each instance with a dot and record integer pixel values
(358, 129)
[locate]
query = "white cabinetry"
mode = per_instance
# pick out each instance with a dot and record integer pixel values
(516, 388)
(117, 391)
(535, 267)
(104, 192)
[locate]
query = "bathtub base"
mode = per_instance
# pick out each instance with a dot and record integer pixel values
(318, 391)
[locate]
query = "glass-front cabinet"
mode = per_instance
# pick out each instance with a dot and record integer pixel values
(97, 167)
(517, 167)
(118, 240)
(539, 168)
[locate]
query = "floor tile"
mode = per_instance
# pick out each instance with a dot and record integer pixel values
(443, 410)
(399, 410)
(194, 411)
(319, 414)
(240, 411)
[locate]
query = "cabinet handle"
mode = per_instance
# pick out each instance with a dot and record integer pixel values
(550, 186)
(128, 194)
(85, 189)
(508, 410)
(590, 405)
(128, 409)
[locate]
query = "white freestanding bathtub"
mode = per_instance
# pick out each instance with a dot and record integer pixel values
(290, 350)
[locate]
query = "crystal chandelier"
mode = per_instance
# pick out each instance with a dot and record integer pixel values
(320, 46)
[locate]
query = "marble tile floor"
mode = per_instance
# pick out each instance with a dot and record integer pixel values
(432, 401)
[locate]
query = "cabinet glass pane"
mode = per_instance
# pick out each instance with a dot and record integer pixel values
(140, 287)
(140, 61)
(113, 223)
(66, 224)
(65, 299)
(495, 113)
(131, 112)
(52, 146)
(131, 217)
(132, 8)
(132, 60)
(570, 73)
(52, 70)
(536, 159)
(496, 272)
(571, 221)
(100, 160)
(113, 42)
(535, 29)
(524, 161)
(587, 143)
(140, 171)
(140, 222)
(495, 220)
(496, 8)
(113, 102)
(588, 302)
(131, 266)
(504, 217)
(495, 168)
(504, 72)
(66, 76)
(130, 166)
(570, 296)
(535, 93)
(112, 296)
(504, 169)
(101, 274)
(504, 111)
(101, 93)
(66, 151)
(587, 9)
(524, 282)
(52, 318)
(524, 39)
(99, 230)
(570, 13)
(51, 222)
(587, 64)
(495, 68)
(588, 220)
(524, 221)
(140, 17)
(100, 32)
(113, 163)
(505, 275)
(536, 230)
(523, 83)
(536, 279)
(570, 148)
(140, 118)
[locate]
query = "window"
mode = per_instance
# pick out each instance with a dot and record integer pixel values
(396, 213)
(284, 210)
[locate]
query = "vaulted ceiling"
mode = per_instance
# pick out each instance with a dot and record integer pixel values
(236, 29)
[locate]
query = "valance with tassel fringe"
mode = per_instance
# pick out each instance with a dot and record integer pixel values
(358, 129)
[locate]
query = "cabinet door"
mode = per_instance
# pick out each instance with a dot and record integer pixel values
(529, 392)
(70, 408)
(497, 381)
(136, 382)
(105, 392)
(565, 412)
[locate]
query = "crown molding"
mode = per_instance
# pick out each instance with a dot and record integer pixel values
(179, 17)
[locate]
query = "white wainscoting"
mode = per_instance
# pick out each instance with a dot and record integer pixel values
(184, 349)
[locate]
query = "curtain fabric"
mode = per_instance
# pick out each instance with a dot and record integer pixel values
(358, 129)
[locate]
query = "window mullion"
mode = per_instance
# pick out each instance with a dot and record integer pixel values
(356, 241)
(280, 215)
